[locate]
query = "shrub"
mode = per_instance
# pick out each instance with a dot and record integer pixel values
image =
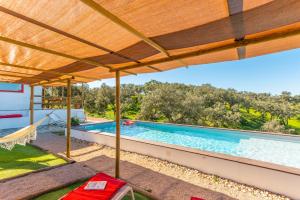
(273, 126)
(75, 121)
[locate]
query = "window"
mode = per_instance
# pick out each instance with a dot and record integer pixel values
(11, 87)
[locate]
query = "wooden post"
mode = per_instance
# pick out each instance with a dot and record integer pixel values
(82, 96)
(31, 104)
(68, 117)
(118, 114)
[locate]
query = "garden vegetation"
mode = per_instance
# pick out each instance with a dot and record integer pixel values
(203, 105)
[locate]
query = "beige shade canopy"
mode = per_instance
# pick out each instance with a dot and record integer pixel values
(46, 42)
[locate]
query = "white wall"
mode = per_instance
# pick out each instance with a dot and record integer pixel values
(19, 102)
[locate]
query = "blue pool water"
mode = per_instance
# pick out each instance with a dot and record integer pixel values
(269, 148)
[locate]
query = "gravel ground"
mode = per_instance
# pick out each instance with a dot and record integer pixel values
(192, 176)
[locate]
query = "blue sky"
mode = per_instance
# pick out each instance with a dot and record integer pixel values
(271, 73)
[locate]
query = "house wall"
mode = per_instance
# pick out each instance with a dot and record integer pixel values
(19, 103)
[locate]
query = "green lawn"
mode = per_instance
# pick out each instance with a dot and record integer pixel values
(23, 159)
(59, 193)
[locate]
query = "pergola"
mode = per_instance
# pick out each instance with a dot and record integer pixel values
(53, 43)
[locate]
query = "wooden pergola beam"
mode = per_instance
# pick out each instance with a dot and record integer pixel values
(23, 77)
(23, 44)
(28, 74)
(155, 68)
(87, 61)
(6, 80)
(68, 143)
(129, 28)
(52, 81)
(118, 125)
(123, 24)
(47, 71)
(236, 44)
(58, 31)
(31, 104)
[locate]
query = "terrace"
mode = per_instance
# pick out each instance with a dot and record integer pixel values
(58, 43)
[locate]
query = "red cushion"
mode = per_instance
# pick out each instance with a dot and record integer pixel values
(196, 198)
(112, 186)
(11, 116)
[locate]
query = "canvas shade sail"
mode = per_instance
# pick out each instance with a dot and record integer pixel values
(49, 41)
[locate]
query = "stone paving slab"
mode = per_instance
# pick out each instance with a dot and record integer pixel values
(34, 184)
(160, 185)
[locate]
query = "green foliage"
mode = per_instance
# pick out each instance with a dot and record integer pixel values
(75, 121)
(24, 159)
(273, 126)
(198, 105)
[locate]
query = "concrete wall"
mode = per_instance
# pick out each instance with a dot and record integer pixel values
(60, 114)
(275, 178)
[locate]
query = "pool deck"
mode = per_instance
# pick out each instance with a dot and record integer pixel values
(160, 185)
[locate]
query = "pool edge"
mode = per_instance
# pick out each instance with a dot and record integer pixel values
(263, 175)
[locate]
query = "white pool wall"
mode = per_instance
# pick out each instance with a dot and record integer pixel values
(275, 178)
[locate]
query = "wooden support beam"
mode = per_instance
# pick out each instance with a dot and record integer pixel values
(129, 28)
(26, 74)
(118, 131)
(23, 77)
(69, 93)
(156, 69)
(49, 51)
(31, 105)
(123, 24)
(236, 44)
(47, 71)
(8, 80)
(56, 53)
(66, 34)
(53, 81)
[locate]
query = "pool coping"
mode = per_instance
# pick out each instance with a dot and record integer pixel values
(242, 160)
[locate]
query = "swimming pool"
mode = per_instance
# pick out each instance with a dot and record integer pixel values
(276, 149)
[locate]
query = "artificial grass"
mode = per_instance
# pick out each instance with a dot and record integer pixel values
(61, 192)
(24, 159)
(58, 193)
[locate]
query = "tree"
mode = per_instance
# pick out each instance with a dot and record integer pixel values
(190, 104)
(167, 99)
